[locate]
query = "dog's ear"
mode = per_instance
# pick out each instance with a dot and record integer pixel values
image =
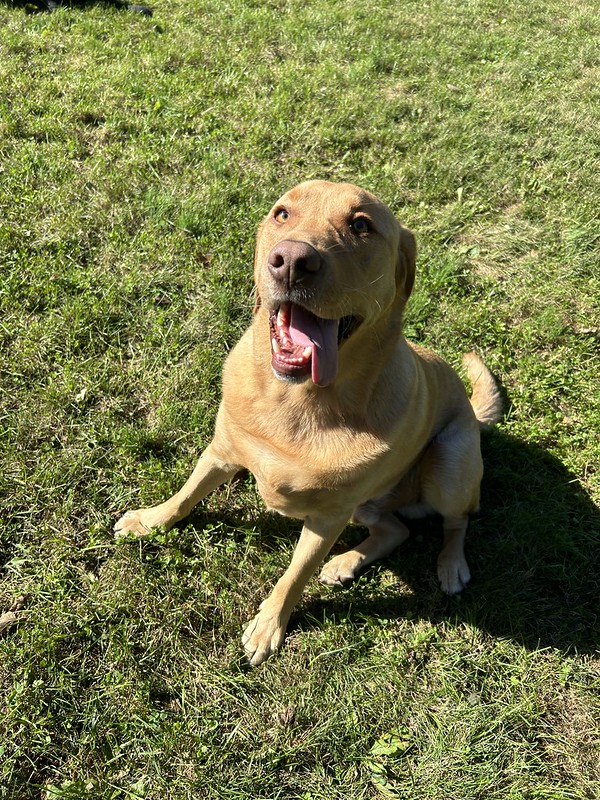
(257, 300)
(406, 265)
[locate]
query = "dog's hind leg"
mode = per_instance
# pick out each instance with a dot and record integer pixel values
(451, 473)
(386, 533)
(452, 568)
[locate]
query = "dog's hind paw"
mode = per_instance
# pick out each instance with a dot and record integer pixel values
(341, 570)
(453, 574)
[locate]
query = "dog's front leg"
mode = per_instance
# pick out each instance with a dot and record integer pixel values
(210, 471)
(266, 632)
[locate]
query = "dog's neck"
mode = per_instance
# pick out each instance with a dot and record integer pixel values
(360, 374)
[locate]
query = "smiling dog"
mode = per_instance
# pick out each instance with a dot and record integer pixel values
(336, 415)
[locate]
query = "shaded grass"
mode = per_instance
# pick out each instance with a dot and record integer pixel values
(137, 157)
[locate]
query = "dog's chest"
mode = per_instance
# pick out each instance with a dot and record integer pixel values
(289, 500)
(314, 477)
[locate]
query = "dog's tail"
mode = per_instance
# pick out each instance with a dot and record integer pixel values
(486, 398)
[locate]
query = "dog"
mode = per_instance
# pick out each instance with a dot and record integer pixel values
(333, 411)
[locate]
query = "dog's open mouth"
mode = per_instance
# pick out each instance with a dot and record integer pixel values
(303, 344)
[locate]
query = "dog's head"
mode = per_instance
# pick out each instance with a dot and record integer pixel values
(331, 259)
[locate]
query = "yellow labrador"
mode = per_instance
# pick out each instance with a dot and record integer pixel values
(337, 416)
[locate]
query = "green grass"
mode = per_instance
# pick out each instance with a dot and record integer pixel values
(137, 157)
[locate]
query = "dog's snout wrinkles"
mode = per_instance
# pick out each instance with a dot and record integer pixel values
(293, 262)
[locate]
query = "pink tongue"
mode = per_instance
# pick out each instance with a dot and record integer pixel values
(321, 336)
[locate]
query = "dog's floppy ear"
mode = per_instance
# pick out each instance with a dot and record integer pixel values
(257, 300)
(406, 265)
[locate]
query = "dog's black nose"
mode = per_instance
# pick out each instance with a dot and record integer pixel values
(293, 262)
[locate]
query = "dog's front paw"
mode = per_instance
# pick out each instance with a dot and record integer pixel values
(341, 570)
(142, 521)
(453, 574)
(263, 636)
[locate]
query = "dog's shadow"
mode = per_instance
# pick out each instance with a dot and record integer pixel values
(534, 553)
(33, 6)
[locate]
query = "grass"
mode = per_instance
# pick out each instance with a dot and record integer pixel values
(137, 157)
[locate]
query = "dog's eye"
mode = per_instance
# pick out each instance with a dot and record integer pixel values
(281, 215)
(360, 225)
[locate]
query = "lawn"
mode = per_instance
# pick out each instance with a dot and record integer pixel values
(137, 157)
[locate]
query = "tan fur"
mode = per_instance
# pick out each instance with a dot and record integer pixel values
(394, 431)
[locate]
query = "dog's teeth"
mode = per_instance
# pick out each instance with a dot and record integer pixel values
(275, 345)
(307, 352)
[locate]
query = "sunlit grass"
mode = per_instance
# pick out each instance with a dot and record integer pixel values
(137, 156)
